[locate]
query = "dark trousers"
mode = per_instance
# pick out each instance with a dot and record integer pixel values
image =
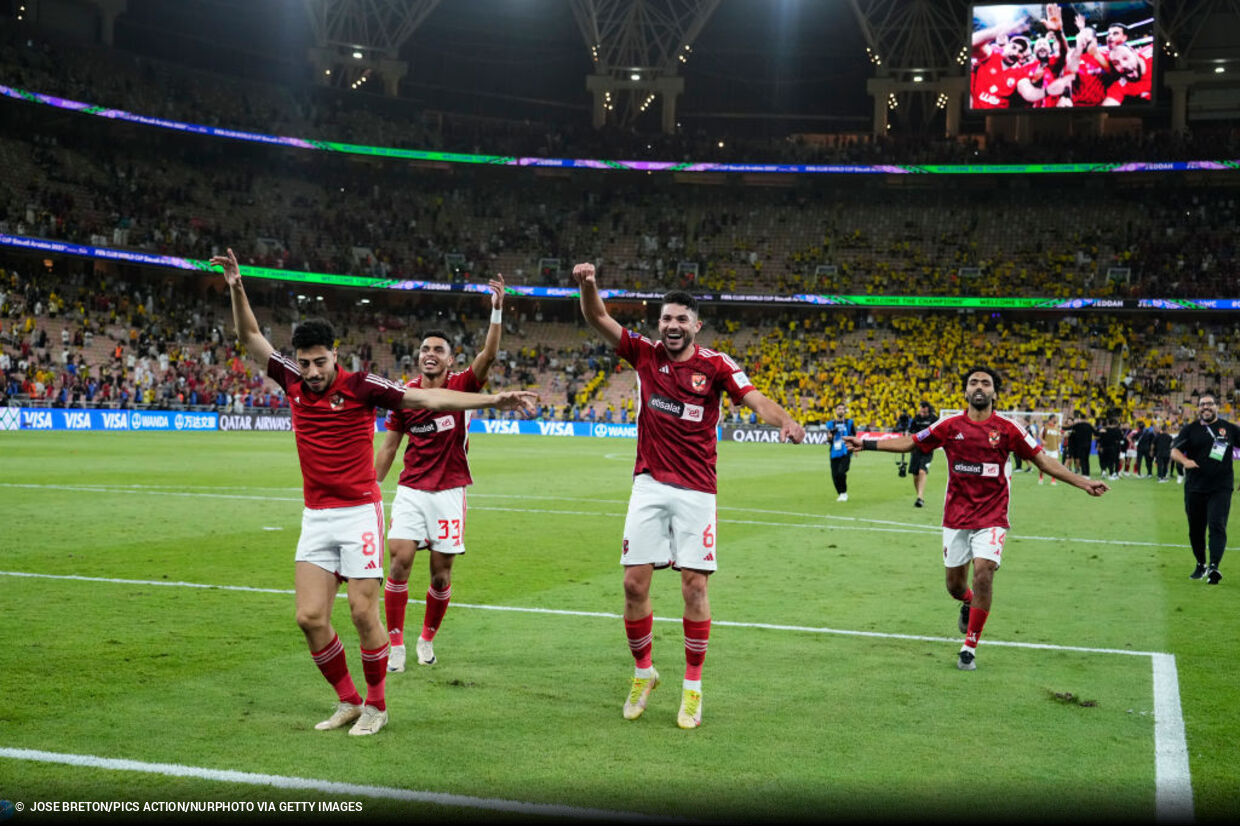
(839, 472)
(1083, 455)
(1108, 461)
(1163, 462)
(1149, 464)
(1208, 510)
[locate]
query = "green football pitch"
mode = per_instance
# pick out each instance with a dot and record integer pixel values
(150, 653)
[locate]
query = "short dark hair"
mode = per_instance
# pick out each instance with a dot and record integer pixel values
(314, 332)
(682, 298)
(437, 334)
(994, 377)
(926, 405)
(1024, 43)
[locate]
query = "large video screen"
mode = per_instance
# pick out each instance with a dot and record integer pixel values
(1058, 55)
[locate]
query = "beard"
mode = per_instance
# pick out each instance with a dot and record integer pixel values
(980, 402)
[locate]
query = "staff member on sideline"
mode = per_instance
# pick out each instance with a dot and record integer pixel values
(841, 457)
(1204, 449)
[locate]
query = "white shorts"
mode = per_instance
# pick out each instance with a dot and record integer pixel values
(432, 519)
(1130, 454)
(346, 541)
(963, 544)
(667, 525)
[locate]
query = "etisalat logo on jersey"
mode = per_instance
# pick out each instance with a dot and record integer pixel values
(675, 409)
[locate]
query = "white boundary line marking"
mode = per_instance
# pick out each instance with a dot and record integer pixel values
(1173, 781)
(327, 786)
(1172, 775)
(857, 523)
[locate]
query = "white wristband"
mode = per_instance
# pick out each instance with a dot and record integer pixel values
(497, 316)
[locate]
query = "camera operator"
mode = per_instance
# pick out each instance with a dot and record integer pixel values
(920, 464)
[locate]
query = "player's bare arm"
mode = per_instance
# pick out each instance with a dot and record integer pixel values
(790, 430)
(1053, 467)
(441, 399)
(897, 444)
(1027, 90)
(387, 453)
(486, 356)
(248, 332)
(592, 306)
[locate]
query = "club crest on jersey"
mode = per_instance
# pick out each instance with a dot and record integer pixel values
(993, 437)
(698, 381)
(337, 402)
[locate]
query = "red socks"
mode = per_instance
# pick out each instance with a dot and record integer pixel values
(977, 620)
(968, 595)
(395, 600)
(641, 639)
(335, 670)
(697, 635)
(374, 666)
(436, 607)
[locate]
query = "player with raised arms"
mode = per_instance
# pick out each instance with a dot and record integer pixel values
(429, 509)
(342, 524)
(977, 444)
(671, 517)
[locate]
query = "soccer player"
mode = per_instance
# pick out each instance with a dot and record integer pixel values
(1051, 437)
(1002, 73)
(342, 524)
(975, 517)
(671, 515)
(1204, 449)
(1131, 77)
(429, 509)
(920, 464)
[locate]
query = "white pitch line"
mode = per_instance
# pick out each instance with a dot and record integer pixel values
(857, 523)
(495, 804)
(1173, 779)
(807, 629)
(1173, 796)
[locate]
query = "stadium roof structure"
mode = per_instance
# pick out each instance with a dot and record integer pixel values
(801, 65)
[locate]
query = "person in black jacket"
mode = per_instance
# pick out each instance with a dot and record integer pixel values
(1110, 447)
(1145, 449)
(1204, 449)
(1162, 451)
(920, 464)
(1081, 435)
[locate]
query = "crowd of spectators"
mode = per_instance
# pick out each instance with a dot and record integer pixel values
(89, 181)
(84, 340)
(291, 210)
(81, 338)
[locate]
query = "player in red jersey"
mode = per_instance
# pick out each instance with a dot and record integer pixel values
(975, 516)
(671, 517)
(1130, 79)
(342, 524)
(429, 509)
(1002, 74)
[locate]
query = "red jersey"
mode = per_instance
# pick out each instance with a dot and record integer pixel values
(1124, 90)
(678, 409)
(335, 432)
(438, 441)
(977, 454)
(1089, 88)
(994, 81)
